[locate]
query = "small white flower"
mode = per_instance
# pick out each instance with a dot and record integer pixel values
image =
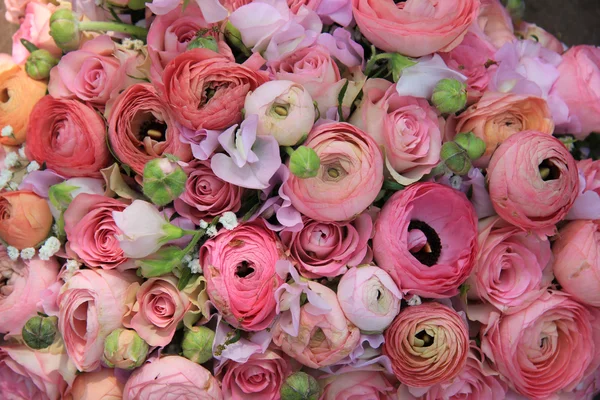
(28, 253)
(195, 266)
(228, 220)
(7, 131)
(22, 152)
(11, 160)
(33, 166)
(455, 182)
(137, 44)
(71, 267)
(50, 247)
(55, 229)
(211, 231)
(414, 301)
(187, 259)
(203, 224)
(5, 177)
(12, 252)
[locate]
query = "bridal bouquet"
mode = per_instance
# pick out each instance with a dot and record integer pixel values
(301, 199)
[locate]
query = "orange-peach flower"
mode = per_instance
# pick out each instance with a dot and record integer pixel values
(25, 219)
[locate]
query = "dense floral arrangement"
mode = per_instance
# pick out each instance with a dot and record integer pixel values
(301, 199)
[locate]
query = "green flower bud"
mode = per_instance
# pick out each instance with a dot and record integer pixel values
(124, 349)
(300, 386)
(204, 43)
(456, 158)
(474, 146)
(64, 29)
(197, 344)
(449, 96)
(304, 162)
(164, 181)
(137, 4)
(39, 332)
(234, 38)
(39, 63)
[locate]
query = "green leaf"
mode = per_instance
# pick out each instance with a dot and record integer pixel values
(161, 263)
(185, 4)
(184, 279)
(60, 195)
(341, 100)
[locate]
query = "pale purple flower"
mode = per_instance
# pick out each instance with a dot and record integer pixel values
(342, 47)
(259, 20)
(473, 185)
(241, 350)
(335, 11)
(212, 10)
(366, 354)
(587, 204)
(299, 32)
(203, 142)
(420, 79)
(39, 182)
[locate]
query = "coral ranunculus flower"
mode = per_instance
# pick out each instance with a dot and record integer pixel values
(25, 219)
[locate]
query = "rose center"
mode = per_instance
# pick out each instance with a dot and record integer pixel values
(548, 170)
(154, 129)
(425, 337)
(430, 252)
(244, 270)
(4, 96)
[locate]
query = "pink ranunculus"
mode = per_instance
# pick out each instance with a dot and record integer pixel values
(295, 5)
(366, 384)
(327, 248)
(537, 34)
(578, 85)
(91, 304)
(428, 250)
(494, 23)
(172, 377)
(325, 336)
(206, 195)
(23, 284)
(98, 385)
(577, 260)
(15, 10)
(406, 127)
(519, 192)
(587, 204)
(36, 29)
(513, 268)
(348, 180)
(259, 378)
(91, 230)
(548, 347)
(417, 27)
(239, 266)
(155, 308)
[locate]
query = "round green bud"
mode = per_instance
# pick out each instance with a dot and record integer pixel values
(197, 344)
(124, 349)
(39, 332)
(39, 63)
(204, 43)
(474, 146)
(449, 96)
(456, 158)
(304, 162)
(300, 386)
(64, 29)
(164, 181)
(137, 4)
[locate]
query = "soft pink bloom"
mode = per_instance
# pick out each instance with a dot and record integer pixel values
(335, 12)
(342, 47)
(417, 27)
(203, 142)
(494, 23)
(212, 10)
(295, 5)
(172, 377)
(15, 10)
(99, 385)
(366, 384)
(91, 305)
(420, 79)
(537, 34)
(587, 204)
(349, 178)
(249, 344)
(36, 29)
(428, 250)
(519, 193)
(323, 338)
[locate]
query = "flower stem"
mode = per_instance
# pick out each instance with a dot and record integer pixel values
(133, 30)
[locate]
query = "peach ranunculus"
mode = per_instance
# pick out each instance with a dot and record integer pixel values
(25, 219)
(416, 27)
(497, 116)
(91, 304)
(36, 29)
(494, 23)
(98, 385)
(540, 35)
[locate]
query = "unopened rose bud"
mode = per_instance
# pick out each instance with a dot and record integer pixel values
(474, 146)
(456, 158)
(64, 29)
(39, 332)
(39, 63)
(449, 96)
(164, 181)
(197, 344)
(300, 386)
(304, 162)
(204, 43)
(124, 349)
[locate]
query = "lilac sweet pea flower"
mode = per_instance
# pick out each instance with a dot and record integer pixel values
(420, 79)
(240, 350)
(212, 10)
(587, 204)
(343, 48)
(366, 354)
(251, 160)
(39, 182)
(299, 32)
(335, 11)
(203, 142)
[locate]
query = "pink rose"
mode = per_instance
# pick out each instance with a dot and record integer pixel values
(239, 266)
(172, 377)
(429, 250)
(533, 32)
(259, 378)
(494, 23)
(21, 288)
(99, 385)
(349, 179)
(91, 230)
(519, 192)
(327, 248)
(366, 384)
(36, 29)
(406, 127)
(324, 337)
(513, 268)
(578, 85)
(91, 304)
(417, 27)
(155, 308)
(548, 347)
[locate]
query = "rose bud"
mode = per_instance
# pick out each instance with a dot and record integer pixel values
(577, 261)
(102, 384)
(25, 219)
(164, 181)
(197, 344)
(455, 158)
(64, 29)
(428, 250)
(427, 344)
(369, 298)
(449, 96)
(304, 163)
(124, 349)
(39, 332)
(547, 183)
(285, 111)
(474, 146)
(300, 386)
(203, 43)
(39, 63)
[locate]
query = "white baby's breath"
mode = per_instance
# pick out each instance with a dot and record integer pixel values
(71, 267)
(455, 182)
(5, 177)
(415, 301)
(22, 152)
(33, 166)
(211, 231)
(28, 253)
(228, 220)
(11, 160)
(7, 131)
(203, 224)
(13, 252)
(50, 247)
(195, 266)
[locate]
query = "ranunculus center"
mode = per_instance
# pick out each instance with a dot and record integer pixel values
(4, 96)
(333, 172)
(317, 338)
(244, 270)
(154, 129)
(548, 170)
(428, 253)
(209, 92)
(426, 338)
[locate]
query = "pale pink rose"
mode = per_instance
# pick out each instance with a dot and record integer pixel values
(548, 347)
(540, 35)
(327, 248)
(91, 304)
(519, 193)
(15, 10)
(348, 180)
(513, 268)
(577, 261)
(427, 249)
(259, 378)
(325, 336)
(407, 128)
(416, 27)
(36, 29)
(184, 380)
(587, 204)
(98, 385)
(494, 23)
(365, 384)
(22, 287)
(155, 308)
(578, 85)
